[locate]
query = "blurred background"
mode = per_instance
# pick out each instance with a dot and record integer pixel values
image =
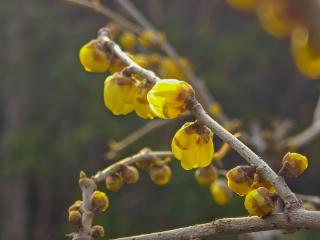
(53, 122)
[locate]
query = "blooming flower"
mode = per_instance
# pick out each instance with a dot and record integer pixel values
(141, 105)
(168, 98)
(193, 145)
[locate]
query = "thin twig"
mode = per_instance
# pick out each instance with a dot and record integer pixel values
(233, 226)
(102, 9)
(306, 135)
(203, 94)
(143, 155)
(200, 114)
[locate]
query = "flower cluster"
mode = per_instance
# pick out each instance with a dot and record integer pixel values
(284, 18)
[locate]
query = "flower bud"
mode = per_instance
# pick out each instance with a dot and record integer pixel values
(207, 175)
(293, 164)
(97, 231)
(93, 59)
(220, 192)
(114, 182)
(169, 69)
(193, 145)
(75, 218)
(240, 179)
(75, 206)
(130, 174)
(168, 98)
(127, 40)
(258, 202)
(99, 202)
(151, 38)
(120, 93)
(141, 105)
(160, 174)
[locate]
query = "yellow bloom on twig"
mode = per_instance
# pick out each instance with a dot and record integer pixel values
(293, 164)
(120, 93)
(93, 59)
(240, 179)
(193, 145)
(168, 98)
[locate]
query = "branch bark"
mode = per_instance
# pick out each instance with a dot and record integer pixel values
(232, 226)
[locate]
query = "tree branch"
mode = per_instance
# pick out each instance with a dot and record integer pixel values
(200, 114)
(232, 226)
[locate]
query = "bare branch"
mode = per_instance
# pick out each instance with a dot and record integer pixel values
(306, 135)
(232, 226)
(200, 114)
(309, 198)
(116, 147)
(143, 155)
(98, 7)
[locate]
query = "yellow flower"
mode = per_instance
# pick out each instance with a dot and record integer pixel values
(258, 202)
(271, 19)
(141, 105)
(120, 93)
(93, 59)
(240, 179)
(243, 5)
(75, 218)
(193, 145)
(114, 182)
(168, 98)
(306, 57)
(293, 164)
(220, 192)
(127, 40)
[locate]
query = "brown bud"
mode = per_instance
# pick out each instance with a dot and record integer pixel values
(207, 175)
(130, 174)
(114, 182)
(160, 174)
(75, 206)
(97, 231)
(75, 218)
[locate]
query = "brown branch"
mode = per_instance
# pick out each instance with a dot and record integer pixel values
(200, 114)
(232, 226)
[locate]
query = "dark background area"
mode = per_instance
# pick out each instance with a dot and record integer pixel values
(53, 122)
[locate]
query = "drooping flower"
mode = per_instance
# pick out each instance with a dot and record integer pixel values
(120, 93)
(293, 164)
(240, 179)
(193, 145)
(168, 98)
(93, 59)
